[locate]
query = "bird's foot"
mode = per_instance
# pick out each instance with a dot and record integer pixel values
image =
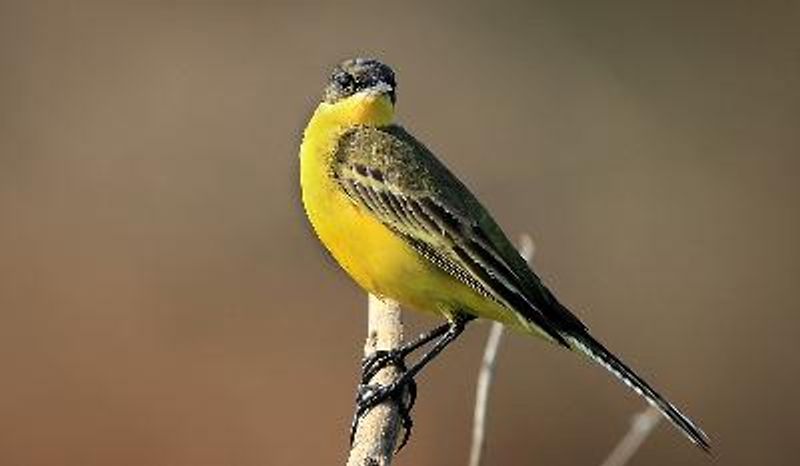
(381, 359)
(403, 390)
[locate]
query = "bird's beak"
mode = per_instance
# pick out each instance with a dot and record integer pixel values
(382, 88)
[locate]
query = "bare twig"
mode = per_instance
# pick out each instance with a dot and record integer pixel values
(375, 439)
(526, 250)
(482, 393)
(641, 426)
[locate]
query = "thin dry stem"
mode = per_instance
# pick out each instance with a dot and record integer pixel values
(482, 393)
(641, 426)
(486, 375)
(377, 433)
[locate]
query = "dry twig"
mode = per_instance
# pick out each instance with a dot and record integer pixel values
(375, 439)
(526, 250)
(641, 426)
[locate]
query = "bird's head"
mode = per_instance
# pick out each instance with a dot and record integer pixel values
(361, 90)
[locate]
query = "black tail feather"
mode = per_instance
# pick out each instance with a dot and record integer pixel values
(587, 345)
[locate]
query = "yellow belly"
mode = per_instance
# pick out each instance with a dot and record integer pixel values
(384, 264)
(378, 260)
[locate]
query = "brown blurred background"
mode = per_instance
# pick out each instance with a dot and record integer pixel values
(163, 301)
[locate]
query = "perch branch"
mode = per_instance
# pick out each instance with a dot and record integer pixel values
(486, 374)
(375, 439)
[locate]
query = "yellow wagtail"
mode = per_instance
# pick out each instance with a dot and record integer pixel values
(405, 228)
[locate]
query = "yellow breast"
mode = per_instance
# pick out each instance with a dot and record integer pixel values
(373, 256)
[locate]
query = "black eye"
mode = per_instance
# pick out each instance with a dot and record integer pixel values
(344, 80)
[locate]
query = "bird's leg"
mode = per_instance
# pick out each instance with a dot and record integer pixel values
(370, 396)
(378, 360)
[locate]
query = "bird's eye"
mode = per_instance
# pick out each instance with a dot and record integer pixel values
(344, 80)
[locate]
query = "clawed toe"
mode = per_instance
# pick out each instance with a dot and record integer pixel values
(402, 390)
(378, 360)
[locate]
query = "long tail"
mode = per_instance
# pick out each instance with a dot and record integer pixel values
(587, 345)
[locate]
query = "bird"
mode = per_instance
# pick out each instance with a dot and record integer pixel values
(405, 228)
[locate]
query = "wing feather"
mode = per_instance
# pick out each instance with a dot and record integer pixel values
(372, 167)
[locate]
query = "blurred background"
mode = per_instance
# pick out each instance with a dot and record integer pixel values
(163, 300)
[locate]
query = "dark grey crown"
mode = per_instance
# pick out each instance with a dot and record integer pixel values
(360, 74)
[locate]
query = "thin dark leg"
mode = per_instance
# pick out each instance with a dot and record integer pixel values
(378, 360)
(371, 396)
(424, 338)
(373, 363)
(453, 331)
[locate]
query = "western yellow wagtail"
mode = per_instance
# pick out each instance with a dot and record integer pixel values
(403, 227)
